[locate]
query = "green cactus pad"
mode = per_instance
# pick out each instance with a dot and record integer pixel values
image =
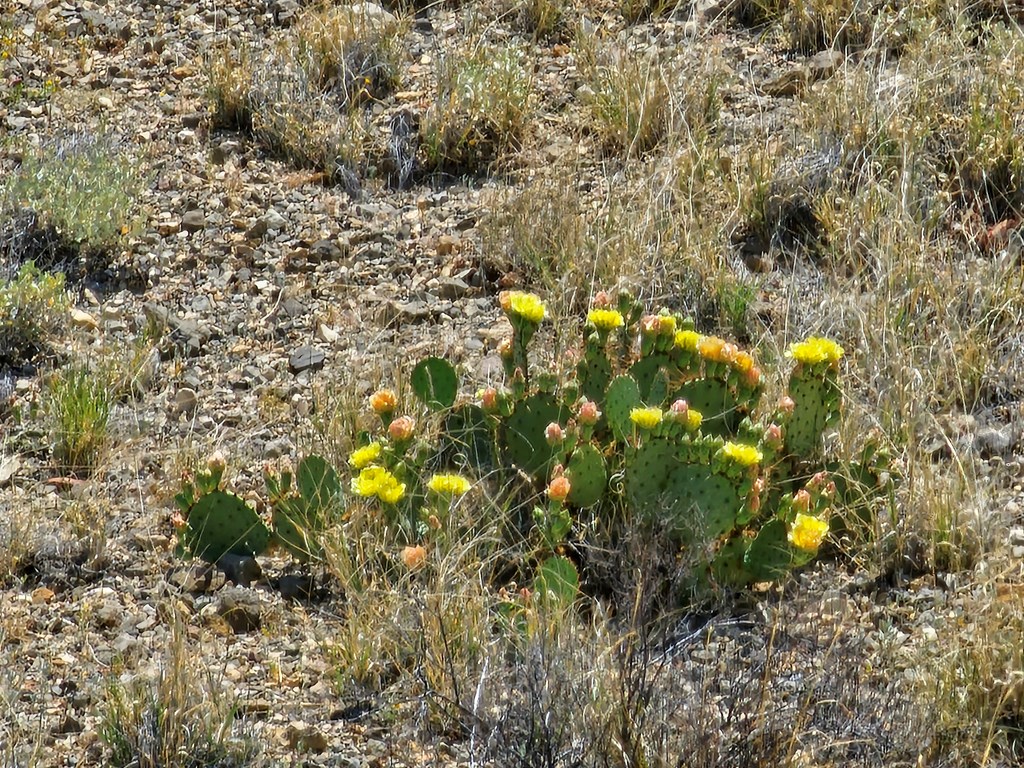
(319, 486)
(716, 402)
(220, 523)
(435, 383)
(467, 440)
(647, 472)
(594, 372)
(811, 415)
(704, 504)
(522, 434)
(557, 581)
(587, 476)
(769, 556)
(622, 396)
(289, 532)
(649, 373)
(728, 568)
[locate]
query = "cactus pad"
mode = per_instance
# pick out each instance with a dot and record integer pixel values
(813, 413)
(594, 372)
(220, 523)
(435, 383)
(557, 581)
(467, 441)
(623, 395)
(587, 476)
(718, 404)
(647, 473)
(703, 503)
(523, 437)
(769, 555)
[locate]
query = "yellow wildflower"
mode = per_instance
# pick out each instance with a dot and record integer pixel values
(687, 340)
(747, 455)
(391, 491)
(377, 481)
(667, 327)
(365, 456)
(743, 362)
(646, 418)
(524, 305)
(807, 532)
(368, 481)
(694, 419)
(605, 319)
(815, 350)
(449, 485)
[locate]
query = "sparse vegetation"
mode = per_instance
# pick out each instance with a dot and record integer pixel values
(79, 406)
(522, 555)
(75, 196)
(33, 311)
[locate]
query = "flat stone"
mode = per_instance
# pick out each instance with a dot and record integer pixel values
(8, 469)
(193, 221)
(452, 288)
(240, 608)
(306, 358)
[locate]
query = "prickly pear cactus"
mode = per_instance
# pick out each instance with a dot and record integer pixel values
(221, 523)
(623, 396)
(522, 434)
(587, 475)
(815, 396)
(300, 517)
(467, 440)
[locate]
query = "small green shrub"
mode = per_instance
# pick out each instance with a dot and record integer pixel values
(33, 309)
(481, 112)
(79, 407)
(83, 187)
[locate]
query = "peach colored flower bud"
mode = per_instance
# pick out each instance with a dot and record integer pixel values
(818, 480)
(558, 471)
(679, 409)
(554, 433)
(434, 523)
(505, 348)
(651, 325)
(755, 495)
(773, 436)
(216, 462)
(787, 405)
(383, 401)
(178, 520)
(401, 428)
(489, 399)
(753, 376)
(559, 488)
(414, 557)
(802, 501)
(505, 300)
(588, 413)
(602, 300)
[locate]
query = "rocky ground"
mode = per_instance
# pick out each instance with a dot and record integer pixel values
(277, 292)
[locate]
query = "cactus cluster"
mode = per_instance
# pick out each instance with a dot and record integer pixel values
(654, 424)
(214, 522)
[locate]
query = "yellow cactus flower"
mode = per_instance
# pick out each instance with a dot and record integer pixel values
(365, 456)
(449, 485)
(667, 326)
(605, 319)
(807, 532)
(377, 481)
(694, 419)
(368, 481)
(391, 491)
(747, 455)
(815, 350)
(524, 305)
(743, 362)
(687, 340)
(646, 418)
